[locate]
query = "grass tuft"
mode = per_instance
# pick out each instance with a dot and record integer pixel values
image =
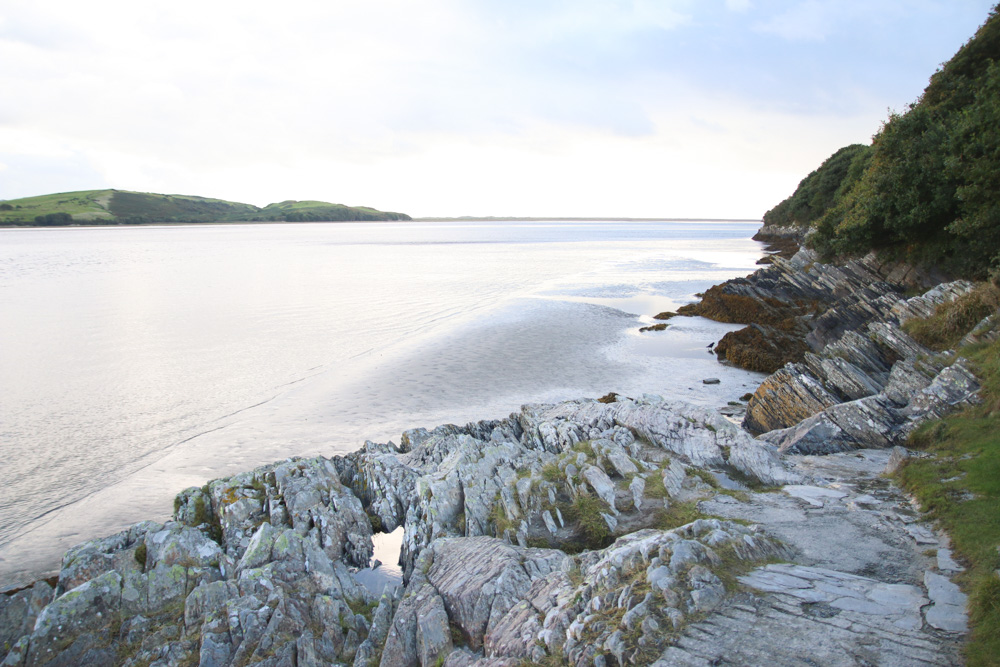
(585, 512)
(951, 321)
(677, 515)
(551, 472)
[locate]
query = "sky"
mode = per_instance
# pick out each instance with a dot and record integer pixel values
(631, 108)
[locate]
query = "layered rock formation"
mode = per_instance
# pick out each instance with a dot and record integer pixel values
(866, 383)
(614, 532)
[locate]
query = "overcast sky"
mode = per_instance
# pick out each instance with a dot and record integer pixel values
(641, 108)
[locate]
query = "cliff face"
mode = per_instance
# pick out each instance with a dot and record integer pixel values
(635, 531)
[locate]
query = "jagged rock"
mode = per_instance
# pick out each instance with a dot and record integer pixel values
(18, 611)
(615, 455)
(601, 484)
(986, 331)
(181, 545)
(871, 422)
(109, 554)
(69, 622)
(843, 378)
(896, 341)
(784, 399)
(897, 456)
(907, 378)
(953, 388)
(923, 305)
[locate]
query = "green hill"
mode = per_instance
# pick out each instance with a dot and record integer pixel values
(928, 188)
(116, 207)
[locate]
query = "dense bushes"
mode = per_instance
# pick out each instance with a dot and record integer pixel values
(818, 191)
(54, 219)
(928, 189)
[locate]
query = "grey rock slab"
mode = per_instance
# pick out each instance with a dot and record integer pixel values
(638, 488)
(85, 609)
(814, 495)
(673, 478)
(897, 456)
(921, 534)
(897, 604)
(601, 484)
(942, 591)
(949, 618)
(946, 563)
(761, 462)
(433, 632)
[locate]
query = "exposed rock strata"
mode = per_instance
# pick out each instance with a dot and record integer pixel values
(868, 388)
(781, 241)
(865, 382)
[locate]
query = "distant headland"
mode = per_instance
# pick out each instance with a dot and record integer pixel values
(122, 207)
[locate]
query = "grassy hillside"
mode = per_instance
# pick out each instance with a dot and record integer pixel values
(308, 211)
(928, 189)
(104, 207)
(87, 206)
(140, 207)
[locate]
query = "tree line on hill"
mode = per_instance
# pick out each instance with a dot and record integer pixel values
(927, 190)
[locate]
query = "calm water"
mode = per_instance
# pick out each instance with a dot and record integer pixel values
(137, 361)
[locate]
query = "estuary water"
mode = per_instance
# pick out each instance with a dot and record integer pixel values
(135, 362)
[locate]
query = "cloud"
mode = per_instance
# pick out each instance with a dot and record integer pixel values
(432, 107)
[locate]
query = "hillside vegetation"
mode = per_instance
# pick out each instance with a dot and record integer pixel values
(928, 188)
(927, 191)
(109, 207)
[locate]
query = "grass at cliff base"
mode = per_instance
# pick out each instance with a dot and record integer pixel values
(959, 487)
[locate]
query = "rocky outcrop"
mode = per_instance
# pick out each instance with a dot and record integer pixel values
(589, 532)
(869, 388)
(518, 478)
(780, 241)
(262, 577)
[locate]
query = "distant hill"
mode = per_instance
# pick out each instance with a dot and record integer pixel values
(121, 207)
